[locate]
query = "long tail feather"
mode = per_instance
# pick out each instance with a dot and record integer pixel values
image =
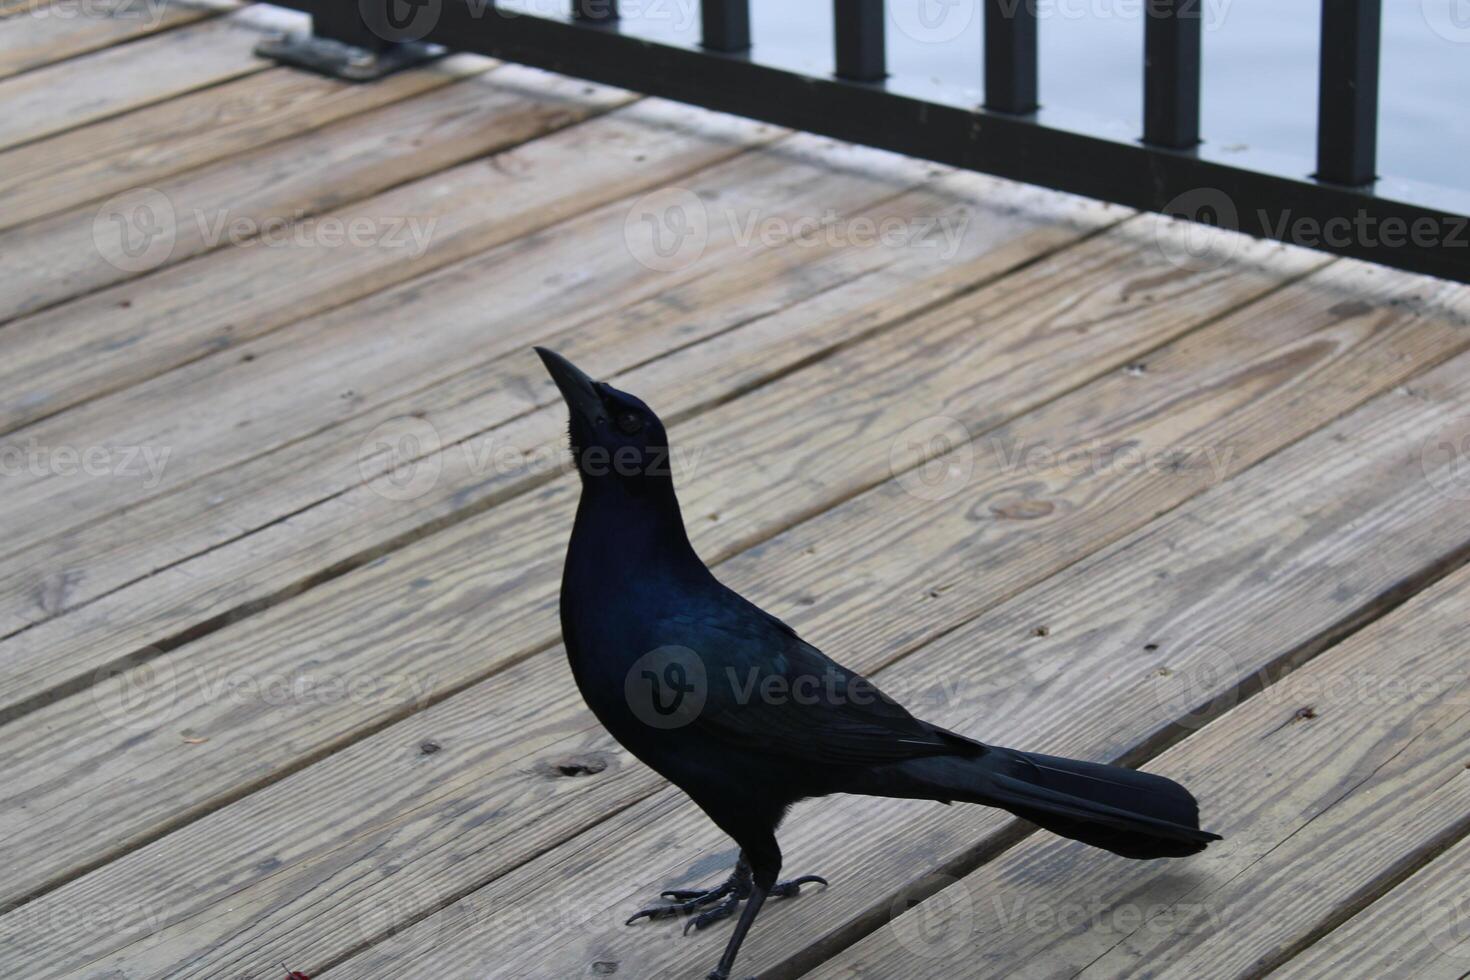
(1131, 813)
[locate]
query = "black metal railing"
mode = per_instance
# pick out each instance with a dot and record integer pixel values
(1341, 206)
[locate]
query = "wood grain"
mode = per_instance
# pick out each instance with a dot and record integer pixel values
(538, 825)
(105, 83)
(440, 317)
(1323, 785)
(263, 198)
(758, 319)
(496, 599)
(94, 162)
(1418, 931)
(217, 303)
(59, 31)
(1243, 578)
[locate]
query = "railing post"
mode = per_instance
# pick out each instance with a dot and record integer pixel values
(345, 23)
(1347, 99)
(1010, 55)
(725, 24)
(358, 40)
(859, 37)
(1171, 73)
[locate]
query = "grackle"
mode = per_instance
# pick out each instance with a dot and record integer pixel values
(725, 700)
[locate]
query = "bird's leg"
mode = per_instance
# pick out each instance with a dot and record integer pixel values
(732, 948)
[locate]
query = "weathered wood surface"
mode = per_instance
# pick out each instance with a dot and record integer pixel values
(758, 319)
(267, 198)
(136, 331)
(737, 363)
(515, 563)
(138, 148)
(539, 822)
(1418, 931)
(104, 83)
(1325, 786)
(55, 32)
(361, 754)
(1287, 540)
(446, 313)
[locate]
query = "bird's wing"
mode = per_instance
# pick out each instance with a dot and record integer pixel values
(769, 691)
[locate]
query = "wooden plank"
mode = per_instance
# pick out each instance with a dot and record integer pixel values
(1418, 931)
(10, 8)
(1015, 227)
(267, 198)
(853, 291)
(1324, 785)
(59, 31)
(775, 298)
(105, 83)
(507, 631)
(94, 162)
(508, 559)
(132, 333)
(1090, 688)
(436, 320)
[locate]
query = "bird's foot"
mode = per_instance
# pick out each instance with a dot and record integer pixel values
(729, 895)
(684, 902)
(712, 915)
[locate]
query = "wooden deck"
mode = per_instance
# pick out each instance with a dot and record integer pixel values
(1058, 475)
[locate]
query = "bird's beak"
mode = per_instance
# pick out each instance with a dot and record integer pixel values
(576, 388)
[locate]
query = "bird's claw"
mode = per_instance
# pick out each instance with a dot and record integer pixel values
(710, 916)
(684, 901)
(792, 888)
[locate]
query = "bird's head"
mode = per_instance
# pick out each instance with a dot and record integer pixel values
(614, 436)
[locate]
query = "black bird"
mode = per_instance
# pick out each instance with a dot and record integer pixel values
(725, 701)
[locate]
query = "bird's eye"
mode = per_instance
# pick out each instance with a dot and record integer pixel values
(629, 423)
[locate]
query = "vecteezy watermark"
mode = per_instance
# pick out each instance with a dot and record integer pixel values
(1450, 19)
(940, 21)
(139, 230)
(938, 926)
(1101, 458)
(670, 229)
(400, 458)
(403, 458)
(43, 923)
(137, 695)
(1445, 919)
(1194, 682)
(671, 686)
(667, 687)
(149, 12)
(1371, 689)
(932, 459)
(1196, 246)
(148, 690)
(1444, 457)
(411, 20)
(1101, 916)
(34, 458)
(394, 919)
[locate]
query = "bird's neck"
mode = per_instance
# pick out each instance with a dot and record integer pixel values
(630, 526)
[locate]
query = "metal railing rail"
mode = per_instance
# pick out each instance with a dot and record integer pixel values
(1341, 207)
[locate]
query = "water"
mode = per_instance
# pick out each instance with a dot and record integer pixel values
(1260, 68)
